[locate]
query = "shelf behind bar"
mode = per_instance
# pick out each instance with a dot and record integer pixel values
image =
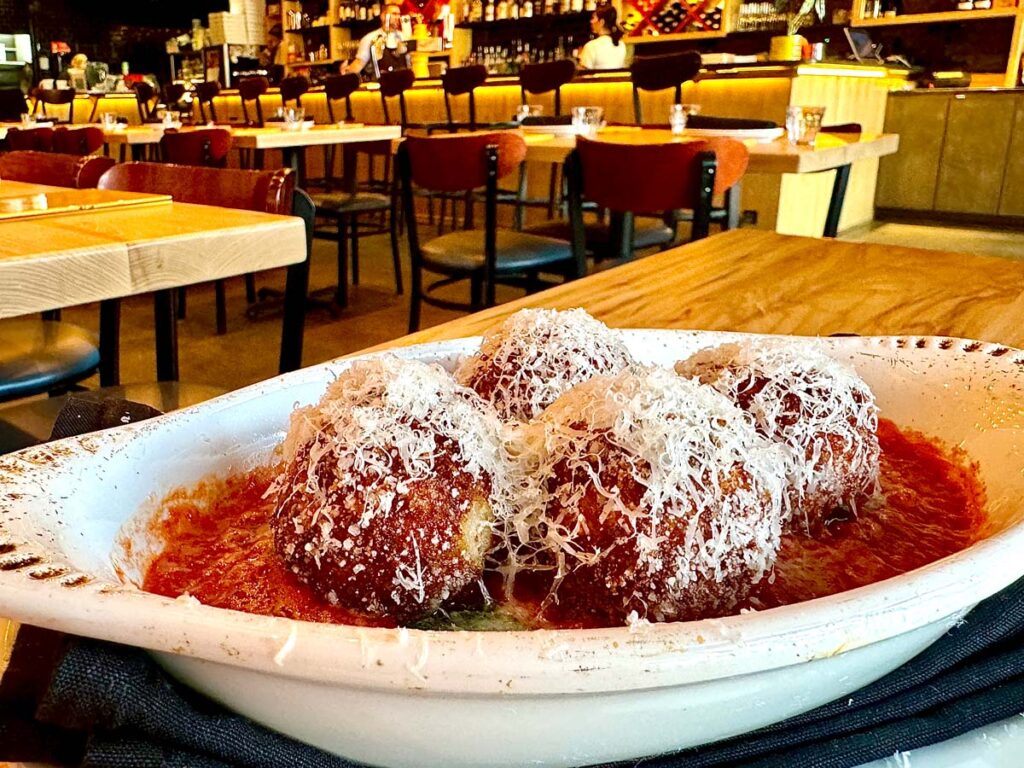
(945, 17)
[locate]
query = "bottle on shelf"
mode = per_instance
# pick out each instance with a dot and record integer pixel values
(527, 11)
(489, 11)
(501, 10)
(590, 6)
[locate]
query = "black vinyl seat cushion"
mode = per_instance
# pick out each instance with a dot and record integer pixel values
(463, 251)
(345, 202)
(647, 233)
(39, 356)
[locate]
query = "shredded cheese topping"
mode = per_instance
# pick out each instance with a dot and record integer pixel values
(536, 355)
(818, 408)
(383, 425)
(712, 488)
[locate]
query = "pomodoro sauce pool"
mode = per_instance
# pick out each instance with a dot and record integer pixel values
(219, 547)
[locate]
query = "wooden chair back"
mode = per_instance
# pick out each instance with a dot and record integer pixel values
(267, 191)
(459, 81)
(78, 141)
(457, 162)
(546, 77)
(30, 139)
(205, 94)
(173, 94)
(207, 147)
(658, 73)
(338, 87)
(292, 89)
(55, 169)
(394, 84)
(249, 90)
(145, 101)
(55, 97)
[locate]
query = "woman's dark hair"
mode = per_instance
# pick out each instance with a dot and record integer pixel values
(610, 18)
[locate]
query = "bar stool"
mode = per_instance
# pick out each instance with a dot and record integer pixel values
(78, 141)
(460, 163)
(30, 139)
(616, 177)
(205, 94)
(659, 73)
(55, 97)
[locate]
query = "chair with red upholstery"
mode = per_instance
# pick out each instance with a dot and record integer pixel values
(78, 141)
(616, 176)
(461, 163)
(268, 191)
(30, 139)
(659, 73)
(207, 147)
(55, 169)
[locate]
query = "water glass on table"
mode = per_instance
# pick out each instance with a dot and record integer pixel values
(679, 115)
(528, 110)
(803, 124)
(293, 117)
(587, 120)
(108, 120)
(27, 120)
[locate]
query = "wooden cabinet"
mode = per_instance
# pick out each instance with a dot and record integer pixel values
(960, 153)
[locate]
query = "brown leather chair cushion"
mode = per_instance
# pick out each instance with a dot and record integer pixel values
(517, 251)
(343, 202)
(38, 356)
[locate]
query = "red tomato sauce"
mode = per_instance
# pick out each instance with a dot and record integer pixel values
(219, 547)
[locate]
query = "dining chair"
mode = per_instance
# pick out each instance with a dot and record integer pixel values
(206, 93)
(146, 99)
(659, 73)
(207, 147)
(30, 139)
(55, 97)
(78, 141)
(338, 90)
(292, 89)
(58, 170)
(267, 191)
(249, 91)
(12, 105)
(173, 96)
(454, 163)
(615, 176)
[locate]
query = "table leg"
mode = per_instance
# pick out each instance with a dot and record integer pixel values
(110, 343)
(166, 336)
(292, 157)
(835, 205)
(732, 205)
(293, 326)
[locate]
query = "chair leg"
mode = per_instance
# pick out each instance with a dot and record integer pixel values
(222, 308)
(354, 223)
(476, 292)
(444, 214)
(250, 288)
(110, 342)
(553, 191)
(395, 256)
(182, 302)
(341, 294)
(51, 314)
(414, 312)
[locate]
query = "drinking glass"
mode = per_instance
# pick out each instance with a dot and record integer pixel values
(27, 121)
(803, 124)
(108, 120)
(293, 117)
(528, 110)
(587, 120)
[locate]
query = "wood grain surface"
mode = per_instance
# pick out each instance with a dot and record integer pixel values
(271, 137)
(761, 282)
(62, 261)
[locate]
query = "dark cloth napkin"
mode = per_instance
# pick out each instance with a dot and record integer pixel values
(136, 716)
(709, 122)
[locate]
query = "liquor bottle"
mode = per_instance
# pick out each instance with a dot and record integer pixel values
(527, 12)
(476, 10)
(501, 10)
(489, 11)
(361, 12)
(576, 6)
(549, 7)
(590, 6)
(513, 9)
(565, 6)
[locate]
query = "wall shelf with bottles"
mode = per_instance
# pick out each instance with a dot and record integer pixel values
(676, 36)
(944, 17)
(527, 22)
(311, 29)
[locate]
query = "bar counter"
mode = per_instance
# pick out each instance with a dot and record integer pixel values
(789, 204)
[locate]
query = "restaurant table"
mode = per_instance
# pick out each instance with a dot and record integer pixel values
(291, 143)
(831, 151)
(761, 282)
(55, 261)
(20, 199)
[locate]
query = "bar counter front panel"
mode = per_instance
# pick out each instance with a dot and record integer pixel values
(790, 204)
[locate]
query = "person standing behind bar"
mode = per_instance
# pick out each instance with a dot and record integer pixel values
(384, 46)
(606, 51)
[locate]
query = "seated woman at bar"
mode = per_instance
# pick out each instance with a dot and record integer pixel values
(606, 51)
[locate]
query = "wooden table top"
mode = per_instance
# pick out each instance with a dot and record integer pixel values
(20, 200)
(270, 137)
(761, 282)
(779, 156)
(61, 261)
